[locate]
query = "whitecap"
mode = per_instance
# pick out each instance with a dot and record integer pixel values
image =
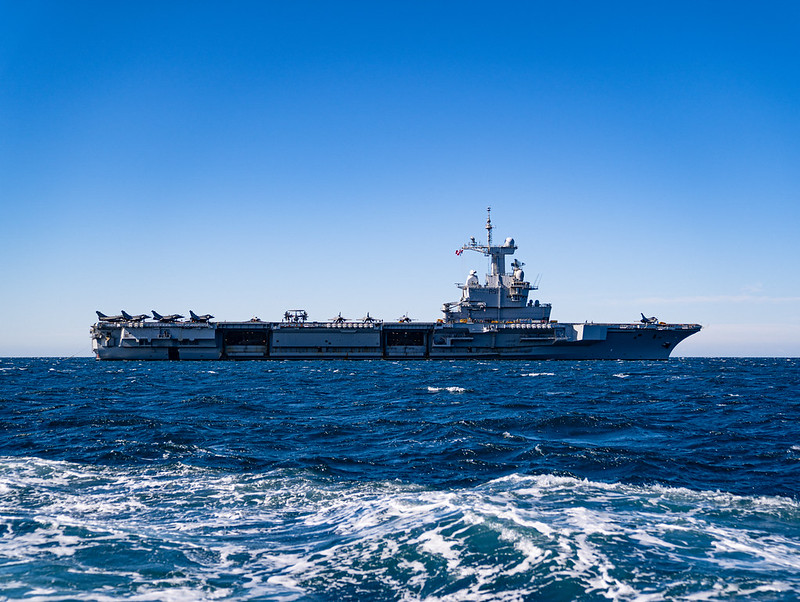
(448, 389)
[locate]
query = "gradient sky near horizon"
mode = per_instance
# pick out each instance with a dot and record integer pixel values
(246, 158)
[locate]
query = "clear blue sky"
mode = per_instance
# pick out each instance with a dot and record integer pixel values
(245, 158)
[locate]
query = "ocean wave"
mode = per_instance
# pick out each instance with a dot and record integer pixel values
(182, 532)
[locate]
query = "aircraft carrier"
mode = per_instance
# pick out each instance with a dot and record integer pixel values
(493, 320)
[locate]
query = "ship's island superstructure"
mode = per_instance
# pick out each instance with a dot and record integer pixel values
(494, 320)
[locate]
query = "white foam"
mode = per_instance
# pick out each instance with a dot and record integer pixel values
(533, 556)
(432, 542)
(448, 389)
(284, 535)
(648, 539)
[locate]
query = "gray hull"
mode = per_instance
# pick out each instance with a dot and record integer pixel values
(329, 340)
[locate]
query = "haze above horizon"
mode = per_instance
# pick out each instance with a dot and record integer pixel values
(244, 159)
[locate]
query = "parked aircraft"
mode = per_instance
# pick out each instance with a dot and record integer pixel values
(169, 319)
(195, 318)
(130, 318)
(101, 317)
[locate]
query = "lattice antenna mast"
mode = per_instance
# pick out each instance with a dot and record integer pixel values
(495, 254)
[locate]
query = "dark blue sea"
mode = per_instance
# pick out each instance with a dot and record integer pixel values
(404, 481)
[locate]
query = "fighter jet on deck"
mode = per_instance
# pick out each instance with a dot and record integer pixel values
(130, 318)
(101, 317)
(171, 318)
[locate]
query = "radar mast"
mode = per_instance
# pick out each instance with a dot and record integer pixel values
(496, 255)
(489, 226)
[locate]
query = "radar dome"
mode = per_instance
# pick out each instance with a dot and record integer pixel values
(509, 242)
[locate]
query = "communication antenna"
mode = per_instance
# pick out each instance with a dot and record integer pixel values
(489, 224)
